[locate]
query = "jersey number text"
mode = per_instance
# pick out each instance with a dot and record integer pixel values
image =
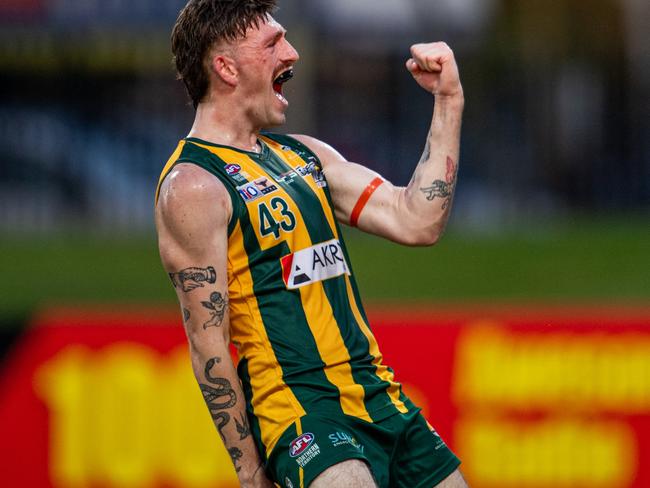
(277, 217)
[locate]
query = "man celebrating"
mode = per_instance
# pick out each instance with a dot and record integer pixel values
(248, 226)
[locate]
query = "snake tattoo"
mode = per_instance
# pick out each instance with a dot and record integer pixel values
(218, 397)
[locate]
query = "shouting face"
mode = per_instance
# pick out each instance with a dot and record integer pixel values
(264, 61)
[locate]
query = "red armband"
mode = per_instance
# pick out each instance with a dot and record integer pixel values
(363, 199)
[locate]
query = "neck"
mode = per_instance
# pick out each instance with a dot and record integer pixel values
(224, 125)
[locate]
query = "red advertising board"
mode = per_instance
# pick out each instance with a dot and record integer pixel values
(527, 397)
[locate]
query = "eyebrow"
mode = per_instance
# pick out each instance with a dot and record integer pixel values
(276, 36)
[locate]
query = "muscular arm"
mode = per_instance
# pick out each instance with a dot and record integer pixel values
(192, 217)
(415, 214)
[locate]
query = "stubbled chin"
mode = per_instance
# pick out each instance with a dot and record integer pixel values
(276, 114)
(276, 122)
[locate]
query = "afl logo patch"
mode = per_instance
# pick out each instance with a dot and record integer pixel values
(300, 444)
(232, 169)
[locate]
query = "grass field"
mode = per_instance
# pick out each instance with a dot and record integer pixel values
(603, 261)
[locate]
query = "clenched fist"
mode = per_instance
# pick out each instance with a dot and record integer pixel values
(434, 68)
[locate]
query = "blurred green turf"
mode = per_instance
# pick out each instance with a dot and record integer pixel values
(590, 263)
(595, 261)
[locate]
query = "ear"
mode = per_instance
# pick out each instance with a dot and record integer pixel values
(225, 68)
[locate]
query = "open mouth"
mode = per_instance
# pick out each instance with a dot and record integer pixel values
(281, 80)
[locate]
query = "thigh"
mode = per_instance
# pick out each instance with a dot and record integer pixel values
(422, 459)
(349, 474)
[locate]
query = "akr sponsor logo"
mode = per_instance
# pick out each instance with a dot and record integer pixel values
(316, 263)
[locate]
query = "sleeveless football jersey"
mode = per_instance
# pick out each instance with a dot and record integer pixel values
(302, 335)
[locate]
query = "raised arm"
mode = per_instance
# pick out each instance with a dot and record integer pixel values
(416, 214)
(192, 217)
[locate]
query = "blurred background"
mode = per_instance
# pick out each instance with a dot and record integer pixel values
(551, 210)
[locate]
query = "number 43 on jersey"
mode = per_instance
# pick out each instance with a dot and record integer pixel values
(277, 217)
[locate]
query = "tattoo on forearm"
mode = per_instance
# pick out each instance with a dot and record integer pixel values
(191, 278)
(243, 428)
(235, 455)
(438, 188)
(217, 306)
(443, 189)
(186, 315)
(212, 394)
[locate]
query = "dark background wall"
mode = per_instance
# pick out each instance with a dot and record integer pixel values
(556, 122)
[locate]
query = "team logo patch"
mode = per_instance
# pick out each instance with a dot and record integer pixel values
(232, 169)
(319, 178)
(316, 263)
(305, 170)
(264, 185)
(256, 189)
(301, 444)
(312, 168)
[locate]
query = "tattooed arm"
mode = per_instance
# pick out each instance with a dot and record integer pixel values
(416, 214)
(192, 218)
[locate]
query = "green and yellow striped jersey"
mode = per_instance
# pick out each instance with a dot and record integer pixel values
(296, 318)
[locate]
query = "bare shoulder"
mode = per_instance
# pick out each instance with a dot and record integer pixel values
(190, 184)
(326, 153)
(192, 201)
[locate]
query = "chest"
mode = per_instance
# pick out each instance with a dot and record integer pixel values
(282, 197)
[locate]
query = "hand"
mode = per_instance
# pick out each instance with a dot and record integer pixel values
(434, 68)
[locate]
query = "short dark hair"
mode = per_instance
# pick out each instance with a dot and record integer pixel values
(200, 25)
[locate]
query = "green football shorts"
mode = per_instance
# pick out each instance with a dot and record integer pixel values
(401, 450)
